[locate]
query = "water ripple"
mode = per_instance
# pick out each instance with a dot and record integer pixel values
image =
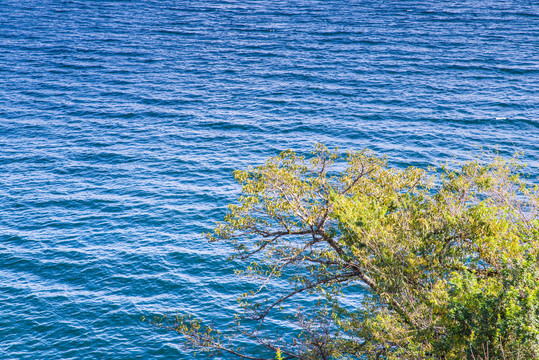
(121, 122)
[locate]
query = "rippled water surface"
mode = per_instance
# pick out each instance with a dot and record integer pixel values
(121, 122)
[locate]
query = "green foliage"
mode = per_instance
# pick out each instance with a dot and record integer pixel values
(278, 355)
(449, 259)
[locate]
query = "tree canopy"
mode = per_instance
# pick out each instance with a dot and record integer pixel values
(446, 261)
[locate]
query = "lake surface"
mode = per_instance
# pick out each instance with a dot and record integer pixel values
(121, 122)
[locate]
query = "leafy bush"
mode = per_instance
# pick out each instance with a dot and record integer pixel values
(448, 259)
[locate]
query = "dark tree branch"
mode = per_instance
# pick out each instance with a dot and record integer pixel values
(336, 279)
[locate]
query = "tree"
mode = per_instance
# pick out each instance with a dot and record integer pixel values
(448, 259)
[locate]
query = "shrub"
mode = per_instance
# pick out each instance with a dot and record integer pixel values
(448, 259)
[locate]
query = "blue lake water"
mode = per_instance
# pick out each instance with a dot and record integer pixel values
(121, 122)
